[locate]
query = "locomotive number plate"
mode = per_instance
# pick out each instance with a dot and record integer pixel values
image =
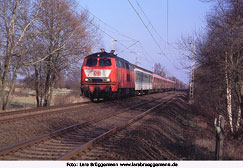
(97, 73)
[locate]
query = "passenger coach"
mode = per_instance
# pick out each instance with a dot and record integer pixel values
(143, 80)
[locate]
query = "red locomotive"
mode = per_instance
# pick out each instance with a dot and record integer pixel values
(105, 75)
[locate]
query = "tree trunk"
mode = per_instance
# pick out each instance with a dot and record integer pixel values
(37, 87)
(4, 81)
(229, 104)
(238, 118)
(228, 95)
(52, 87)
(6, 103)
(238, 91)
(0, 86)
(47, 88)
(48, 94)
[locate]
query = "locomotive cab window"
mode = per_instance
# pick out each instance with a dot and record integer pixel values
(105, 62)
(118, 63)
(123, 64)
(91, 62)
(127, 65)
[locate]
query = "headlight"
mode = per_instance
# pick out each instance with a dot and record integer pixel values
(106, 79)
(86, 79)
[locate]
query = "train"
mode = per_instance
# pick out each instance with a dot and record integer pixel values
(106, 76)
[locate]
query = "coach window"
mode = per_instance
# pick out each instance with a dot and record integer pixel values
(105, 62)
(146, 78)
(137, 76)
(91, 62)
(140, 76)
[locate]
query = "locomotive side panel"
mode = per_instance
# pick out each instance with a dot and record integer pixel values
(125, 74)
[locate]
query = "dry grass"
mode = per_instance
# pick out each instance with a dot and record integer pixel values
(205, 143)
(72, 96)
(232, 152)
(22, 102)
(22, 98)
(25, 98)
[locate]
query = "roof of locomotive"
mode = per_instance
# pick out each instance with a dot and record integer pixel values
(105, 54)
(102, 54)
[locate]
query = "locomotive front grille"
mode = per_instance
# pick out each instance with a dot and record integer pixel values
(97, 80)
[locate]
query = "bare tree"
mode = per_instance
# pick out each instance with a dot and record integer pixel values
(16, 18)
(64, 37)
(219, 54)
(159, 70)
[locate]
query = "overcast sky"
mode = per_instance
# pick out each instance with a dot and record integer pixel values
(120, 23)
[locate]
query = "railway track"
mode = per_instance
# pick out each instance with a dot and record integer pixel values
(65, 143)
(72, 155)
(26, 111)
(36, 112)
(12, 116)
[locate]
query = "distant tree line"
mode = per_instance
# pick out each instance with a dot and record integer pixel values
(219, 59)
(43, 40)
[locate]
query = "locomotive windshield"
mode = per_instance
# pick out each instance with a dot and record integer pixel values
(105, 62)
(91, 62)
